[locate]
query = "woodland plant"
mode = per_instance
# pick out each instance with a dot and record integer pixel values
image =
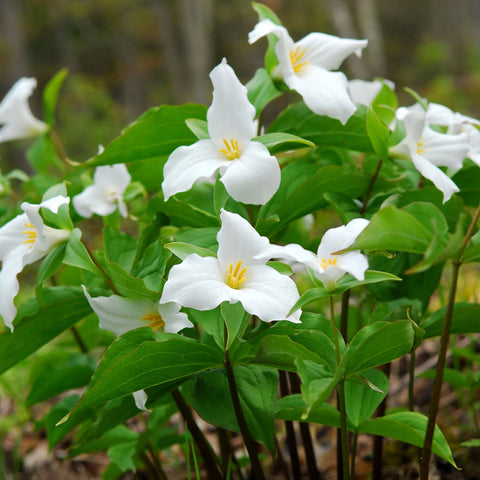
(206, 274)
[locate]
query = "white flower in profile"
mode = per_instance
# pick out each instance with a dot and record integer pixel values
(239, 274)
(24, 240)
(430, 149)
(106, 193)
(250, 174)
(364, 92)
(119, 314)
(305, 67)
(327, 265)
(15, 114)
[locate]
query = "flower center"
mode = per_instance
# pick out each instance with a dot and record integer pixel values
(420, 150)
(231, 151)
(296, 57)
(236, 276)
(328, 263)
(156, 321)
(31, 234)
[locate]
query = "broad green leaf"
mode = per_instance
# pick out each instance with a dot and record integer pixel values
(119, 247)
(183, 250)
(299, 120)
(213, 323)
(468, 181)
(385, 104)
(236, 319)
(130, 365)
(394, 229)
(361, 400)
(43, 156)
(122, 455)
(153, 136)
(202, 237)
(220, 196)
(77, 255)
(344, 206)
(451, 376)
(51, 263)
(261, 90)
(50, 96)
(377, 344)
(257, 389)
(277, 142)
(37, 323)
(465, 320)
(198, 127)
(408, 427)
(378, 133)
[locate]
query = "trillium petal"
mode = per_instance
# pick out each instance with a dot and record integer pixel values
(187, 165)
(364, 92)
(12, 265)
(330, 276)
(293, 253)
(443, 182)
(197, 282)
(445, 150)
(174, 319)
(238, 240)
(12, 236)
(140, 398)
(265, 27)
(324, 92)
(231, 115)
(338, 238)
(268, 294)
(354, 263)
(91, 201)
(328, 51)
(254, 177)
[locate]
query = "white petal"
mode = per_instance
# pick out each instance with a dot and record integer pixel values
(11, 236)
(440, 115)
(265, 27)
(239, 241)
(267, 294)
(140, 398)
(328, 51)
(435, 175)
(293, 253)
(187, 165)
(93, 200)
(330, 276)
(364, 93)
(16, 115)
(254, 177)
(12, 265)
(324, 92)
(231, 115)
(173, 318)
(354, 263)
(197, 282)
(444, 150)
(112, 177)
(338, 238)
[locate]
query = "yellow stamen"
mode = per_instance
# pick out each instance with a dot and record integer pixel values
(295, 57)
(156, 321)
(420, 150)
(31, 234)
(236, 276)
(328, 263)
(232, 150)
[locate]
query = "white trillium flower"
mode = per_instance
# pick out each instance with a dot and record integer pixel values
(106, 193)
(364, 92)
(429, 149)
(24, 240)
(15, 114)
(239, 274)
(120, 314)
(326, 265)
(250, 174)
(305, 67)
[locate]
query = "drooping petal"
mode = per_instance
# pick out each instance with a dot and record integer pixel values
(187, 165)
(254, 177)
(231, 115)
(445, 150)
(291, 254)
(440, 115)
(336, 239)
(324, 92)
(12, 265)
(92, 200)
(442, 181)
(364, 92)
(328, 51)
(268, 294)
(238, 240)
(354, 263)
(197, 282)
(12, 236)
(265, 27)
(140, 398)
(330, 276)
(174, 319)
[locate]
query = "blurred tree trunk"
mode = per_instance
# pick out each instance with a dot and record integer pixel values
(13, 31)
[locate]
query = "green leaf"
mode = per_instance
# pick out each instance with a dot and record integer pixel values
(119, 247)
(37, 323)
(183, 250)
(394, 229)
(236, 319)
(198, 127)
(77, 255)
(377, 344)
(51, 263)
(261, 90)
(468, 181)
(465, 320)
(153, 136)
(277, 142)
(50, 95)
(122, 455)
(299, 120)
(408, 427)
(385, 104)
(378, 133)
(213, 323)
(451, 376)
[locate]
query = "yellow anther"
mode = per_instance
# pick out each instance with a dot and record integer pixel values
(327, 263)
(156, 321)
(231, 151)
(420, 150)
(31, 234)
(236, 276)
(295, 57)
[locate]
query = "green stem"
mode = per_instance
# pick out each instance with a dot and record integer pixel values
(205, 448)
(377, 465)
(411, 378)
(78, 339)
(341, 398)
(370, 187)
(354, 452)
(344, 314)
(242, 423)
(62, 154)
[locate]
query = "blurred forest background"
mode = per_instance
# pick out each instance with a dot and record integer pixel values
(125, 56)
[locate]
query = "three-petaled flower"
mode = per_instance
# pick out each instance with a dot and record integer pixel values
(15, 114)
(327, 265)
(106, 193)
(305, 67)
(24, 240)
(250, 174)
(238, 274)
